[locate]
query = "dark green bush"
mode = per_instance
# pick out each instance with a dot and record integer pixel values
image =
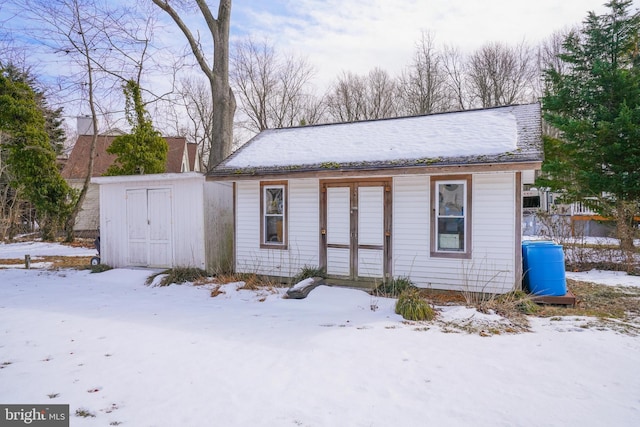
(99, 268)
(412, 306)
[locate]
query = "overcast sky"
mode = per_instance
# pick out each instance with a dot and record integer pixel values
(358, 35)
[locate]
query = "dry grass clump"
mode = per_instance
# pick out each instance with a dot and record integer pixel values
(179, 275)
(394, 287)
(78, 262)
(412, 306)
(308, 272)
(617, 302)
(252, 281)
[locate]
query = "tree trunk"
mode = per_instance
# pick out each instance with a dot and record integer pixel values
(86, 52)
(624, 214)
(224, 102)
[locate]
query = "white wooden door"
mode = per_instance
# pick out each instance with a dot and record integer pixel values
(149, 227)
(137, 227)
(159, 214)
(355, 241)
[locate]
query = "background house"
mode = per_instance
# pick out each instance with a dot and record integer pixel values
(181, 157)
(437, 198)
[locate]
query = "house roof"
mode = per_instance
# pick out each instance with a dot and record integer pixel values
(76, 165)
(509, 134)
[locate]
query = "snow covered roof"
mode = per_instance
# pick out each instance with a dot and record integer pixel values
(494, 135)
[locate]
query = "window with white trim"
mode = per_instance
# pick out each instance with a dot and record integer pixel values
(273, 212)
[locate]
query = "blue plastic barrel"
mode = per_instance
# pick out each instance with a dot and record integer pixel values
(525, 264)
(546, 273)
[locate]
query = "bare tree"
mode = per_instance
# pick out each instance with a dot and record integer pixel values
(501, 75)
(273, 90)
(548, 57)
(423, 85)
(223, 100)
(103, 47)
(455, 66)
(381, 94)
(355, 97)
(346, 99)
(196, 97)
(71, 31)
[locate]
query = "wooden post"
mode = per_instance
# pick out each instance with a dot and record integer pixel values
(27, 261)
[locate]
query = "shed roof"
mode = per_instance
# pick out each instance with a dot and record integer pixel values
(495, 135)
(76, 166)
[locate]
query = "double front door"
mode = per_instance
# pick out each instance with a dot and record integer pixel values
(356, 229)
(149, 227)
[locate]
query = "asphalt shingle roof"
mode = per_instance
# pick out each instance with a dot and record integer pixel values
(507, 134)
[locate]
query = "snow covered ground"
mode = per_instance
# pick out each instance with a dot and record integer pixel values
(135, 355)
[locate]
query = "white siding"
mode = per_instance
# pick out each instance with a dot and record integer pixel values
(528, 176)
(247, 228)
(492, 266)
(188, 223)
(302, 224)
(410, 231)
(88, 218)
(218, 220)
(494, 225)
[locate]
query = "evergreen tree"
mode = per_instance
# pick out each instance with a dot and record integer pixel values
(53, 117)
(595, 104)
(29, 155)
(143, 151)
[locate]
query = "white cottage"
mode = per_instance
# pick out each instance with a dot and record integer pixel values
(166, 220)
(436, 198)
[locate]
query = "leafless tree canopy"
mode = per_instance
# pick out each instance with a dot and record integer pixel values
(499, 74)
(548, 57)
(455, 67)
(195, 95)
(273, 90)
(355, 97)
(423, 85)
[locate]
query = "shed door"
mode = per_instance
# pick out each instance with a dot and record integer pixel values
(356, 229)
(149, 227)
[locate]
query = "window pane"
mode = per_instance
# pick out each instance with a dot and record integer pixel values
(274, 201)
(450, 199)
(273, 229)
(451, 234)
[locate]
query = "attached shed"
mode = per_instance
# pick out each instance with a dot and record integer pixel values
(165, 220)
(436, 198)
